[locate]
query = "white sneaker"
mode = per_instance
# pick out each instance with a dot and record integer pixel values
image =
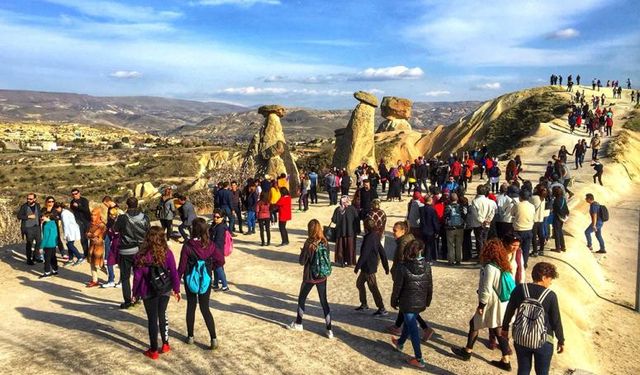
(295, 327)
(108, 285)
(329, 334)
(118, 285)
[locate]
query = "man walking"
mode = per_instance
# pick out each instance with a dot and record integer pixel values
(133, 225)
(80, 207)
(367, 195)
(236, 206)
(187, 215)
(595, 214)
(330, 185)
(313, 192)
(523, 217)
(29, 216)
(454, 217)
(481, 212)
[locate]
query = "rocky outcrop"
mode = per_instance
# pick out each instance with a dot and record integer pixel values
(145, 191)
(269, 152)
(396, 111)
(355, 144)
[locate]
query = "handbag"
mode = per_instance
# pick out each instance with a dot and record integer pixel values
(330, 233)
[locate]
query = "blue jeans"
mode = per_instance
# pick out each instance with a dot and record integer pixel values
(525, 243)
(183, 229)
(589, 230)
(219, 276)
(231, 220)
(73, 250)
(251, 220)
(410, 329)
(107, 249)
(542, 358)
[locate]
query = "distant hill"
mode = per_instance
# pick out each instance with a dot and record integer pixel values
(140, 113)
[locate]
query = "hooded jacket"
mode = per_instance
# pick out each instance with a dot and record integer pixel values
(209, 254)
(412, 287)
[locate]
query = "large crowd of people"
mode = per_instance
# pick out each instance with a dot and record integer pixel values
(507, 221)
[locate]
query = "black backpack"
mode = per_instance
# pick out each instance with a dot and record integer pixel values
(159, 280)
(604, 213)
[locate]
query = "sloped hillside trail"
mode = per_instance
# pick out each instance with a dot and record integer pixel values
(59, 326)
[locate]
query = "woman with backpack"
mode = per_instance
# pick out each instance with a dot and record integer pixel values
(560, 212)
(284, 210)
(529, 299)
(218, 234)
(154, 278)
(494, 289)
(314, 256)
(197, 260)
(263, 212)
(412, 292)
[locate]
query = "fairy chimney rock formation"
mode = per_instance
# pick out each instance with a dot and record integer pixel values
(269, 149)
(396, 111)
(355, 144)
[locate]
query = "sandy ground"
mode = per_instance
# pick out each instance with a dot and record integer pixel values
(58, 326)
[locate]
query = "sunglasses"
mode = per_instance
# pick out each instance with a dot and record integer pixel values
(217, 217)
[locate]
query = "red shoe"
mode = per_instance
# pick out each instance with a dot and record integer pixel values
(92, 284)
(419, 363)
(165, 348)
(153, 354)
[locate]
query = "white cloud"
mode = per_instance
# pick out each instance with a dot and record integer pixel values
(281, 91)
(117, 11)
(315, 79)
(242, 3)
(487, 86)
(375, 91)
(388, 74)
(436, 93)
(564, 34)
(125, 74)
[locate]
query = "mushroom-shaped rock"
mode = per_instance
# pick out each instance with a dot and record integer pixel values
(266, 110)
(396, 108)
(367, 98)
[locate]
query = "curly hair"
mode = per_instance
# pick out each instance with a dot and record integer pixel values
(155, 243)
(493, 251)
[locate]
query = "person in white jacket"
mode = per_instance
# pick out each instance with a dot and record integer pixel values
(71, 233)
(481, 212)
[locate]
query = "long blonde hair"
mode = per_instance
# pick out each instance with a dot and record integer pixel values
(315, 232)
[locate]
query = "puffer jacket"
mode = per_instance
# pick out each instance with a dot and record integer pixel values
(132, 226)
(412, 287)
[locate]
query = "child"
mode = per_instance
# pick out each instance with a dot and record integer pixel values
(49, 243)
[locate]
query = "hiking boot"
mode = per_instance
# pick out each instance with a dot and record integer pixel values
(461, 352)
(165, 348)
(506, 366)
(396, 344)
(381, 312)
(427, 333)
(392, 329)
(214, 344)
(125, 305)
(601, 252)
(417, 362)
(189, 340)
(295, 327)
(153, 354)
(362, 308)
(44, 275)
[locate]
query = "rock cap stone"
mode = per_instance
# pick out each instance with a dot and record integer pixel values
(396, 108)
(366, 98)
(265, 110)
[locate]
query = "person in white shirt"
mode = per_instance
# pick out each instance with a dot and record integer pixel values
(523, 218)
(504, 218)
(481, 212)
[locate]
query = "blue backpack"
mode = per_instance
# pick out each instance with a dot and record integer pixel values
(198, 279)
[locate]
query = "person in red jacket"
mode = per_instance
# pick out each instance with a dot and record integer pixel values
(284, 209)
(456, 170)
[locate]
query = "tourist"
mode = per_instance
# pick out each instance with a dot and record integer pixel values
(313, 191)
(413, 214)
(331, 187)
(29, 215)
(303, 200)
(112, 250)
(284, 214)
(565, 176)
(560, 215)
(199, 248)
(539, 201)
(48, 244)
(49, 207)
(80, 207)
(543, 275)
(412, 293)
(562, 154)
(263, 212)
(504, 213)
(71, 232)
(481, 213)
(217, 234)
(494, 176)
(251, 204)
(345, 217)
(315, 245)
(454, 218)
(523, 217)
(384, 174)
(236, 208)
(578, 151)
(95, 234)
(132, 226)
(429, 228)
(274, 197)
(490, 310)
(166, 211)
(371, 253)
(595, 225)
(595, 146)
(513, 246)
(187, 215)
(599, 168)
(225, 198)
(367, 195)
(155, 255)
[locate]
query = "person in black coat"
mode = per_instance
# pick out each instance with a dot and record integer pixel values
(412, 293)
(367, 195)
(80, 208)
(29, 216)
(371, 252)
(430, 227)
(346, 219)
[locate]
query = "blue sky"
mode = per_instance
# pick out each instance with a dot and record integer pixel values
(313, 53)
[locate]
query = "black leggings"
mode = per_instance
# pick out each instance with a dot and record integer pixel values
(265, 227)
(168, 226)
(400, 321)
(203, 300)
(156, 308)
(473, 336)
(282, 225)
(305, 288)
(50, 260)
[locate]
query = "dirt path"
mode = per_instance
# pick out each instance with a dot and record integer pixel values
(56, 325)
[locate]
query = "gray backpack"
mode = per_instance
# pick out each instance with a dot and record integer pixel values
(529, 329)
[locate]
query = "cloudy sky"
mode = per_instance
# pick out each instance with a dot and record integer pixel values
(313, 53)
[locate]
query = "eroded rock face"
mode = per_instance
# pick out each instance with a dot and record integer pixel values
(396, 111)
(269, 150)
(355, 144)
(145, 191)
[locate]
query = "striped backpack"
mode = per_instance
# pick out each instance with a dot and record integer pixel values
(529, 329)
